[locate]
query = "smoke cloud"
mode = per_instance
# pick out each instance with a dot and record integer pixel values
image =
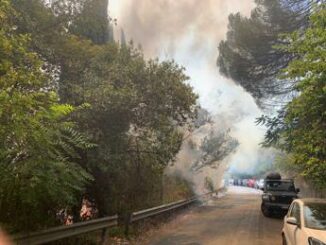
(189, 31)
(160, 25)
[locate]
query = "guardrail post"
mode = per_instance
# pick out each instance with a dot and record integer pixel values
(104, 236)
(127, 220)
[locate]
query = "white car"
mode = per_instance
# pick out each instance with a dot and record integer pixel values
(305, 223)
(260, 184)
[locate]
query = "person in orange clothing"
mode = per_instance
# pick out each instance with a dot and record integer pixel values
(4, 239)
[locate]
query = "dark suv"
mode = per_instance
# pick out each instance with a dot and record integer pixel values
(278, 195)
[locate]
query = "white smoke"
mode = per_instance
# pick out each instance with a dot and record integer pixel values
(162, 25)
(189, 31)
(191, 153)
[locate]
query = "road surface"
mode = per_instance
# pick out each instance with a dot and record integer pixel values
(233, 219)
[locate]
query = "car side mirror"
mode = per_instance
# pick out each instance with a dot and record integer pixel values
(297, 190)
(292, 221)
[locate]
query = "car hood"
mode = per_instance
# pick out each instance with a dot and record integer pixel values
(317, 234)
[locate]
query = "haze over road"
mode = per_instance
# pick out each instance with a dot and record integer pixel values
(233, 219)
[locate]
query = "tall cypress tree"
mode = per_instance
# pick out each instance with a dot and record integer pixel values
(93, 22)
(123, 38)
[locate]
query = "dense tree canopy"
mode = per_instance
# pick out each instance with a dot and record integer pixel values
(38, 145)
(61, 73)
(299, 128)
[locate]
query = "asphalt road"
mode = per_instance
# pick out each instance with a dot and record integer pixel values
(233, 219)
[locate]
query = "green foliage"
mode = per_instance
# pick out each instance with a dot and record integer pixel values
(176, 188)
(285, 163)
(300, 127)
(131, 108)
(136, 107)
(37, 172)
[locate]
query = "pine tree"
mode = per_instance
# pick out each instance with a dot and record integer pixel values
(93, 22)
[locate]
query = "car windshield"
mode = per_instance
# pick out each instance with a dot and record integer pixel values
(315, 215)
(278, 185)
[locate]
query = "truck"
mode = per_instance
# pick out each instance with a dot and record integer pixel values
(277, 195)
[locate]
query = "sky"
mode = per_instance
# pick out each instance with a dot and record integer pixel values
(189, 32)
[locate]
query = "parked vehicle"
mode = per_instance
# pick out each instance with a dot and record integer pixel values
(231, 181)
(305, 223)
(278, 195)
(251, 183)
(260, 184)
(244, 182)
(237, 182)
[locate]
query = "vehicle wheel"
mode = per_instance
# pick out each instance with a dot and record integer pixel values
(283, 240)
(265, 210)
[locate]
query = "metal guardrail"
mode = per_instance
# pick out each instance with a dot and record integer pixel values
(58, 233)
(147, 213)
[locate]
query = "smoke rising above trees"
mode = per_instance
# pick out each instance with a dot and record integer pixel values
(160, 26)
(165, 29)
